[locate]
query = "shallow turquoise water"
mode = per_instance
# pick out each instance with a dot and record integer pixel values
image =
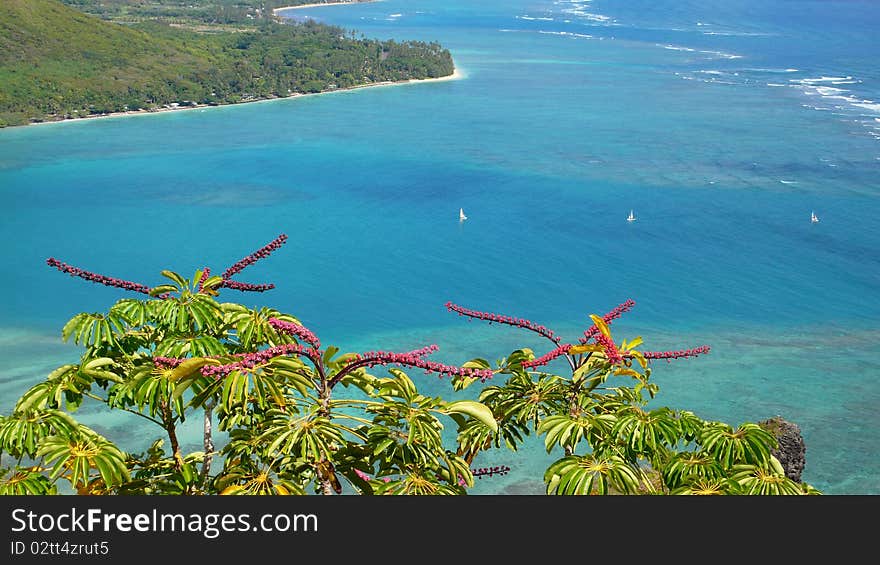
(721, 124)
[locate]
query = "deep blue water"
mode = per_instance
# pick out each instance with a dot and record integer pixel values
(722, 124)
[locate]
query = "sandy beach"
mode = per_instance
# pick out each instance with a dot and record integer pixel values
(456, 74)
(320, 4)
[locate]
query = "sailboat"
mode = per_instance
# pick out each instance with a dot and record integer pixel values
(630, 218)
(814, 218)
(461, 216)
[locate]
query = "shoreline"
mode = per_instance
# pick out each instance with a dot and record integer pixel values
(456, 75)
(321, 4)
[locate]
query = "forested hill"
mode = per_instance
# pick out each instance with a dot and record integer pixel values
(214, 12)
(57, 62)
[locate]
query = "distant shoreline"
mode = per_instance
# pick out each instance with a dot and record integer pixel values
(456, 74)
(320, 4)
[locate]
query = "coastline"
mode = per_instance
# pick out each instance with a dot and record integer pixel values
(456, 74)
(322, 4)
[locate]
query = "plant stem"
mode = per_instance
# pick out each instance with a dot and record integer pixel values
(168, 424)
(208, 442)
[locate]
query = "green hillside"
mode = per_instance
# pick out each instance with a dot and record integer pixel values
(213, 12)
(57, 62)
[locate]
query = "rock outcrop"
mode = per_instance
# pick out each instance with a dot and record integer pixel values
(792, 449)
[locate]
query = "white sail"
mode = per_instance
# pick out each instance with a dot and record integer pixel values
(813, 217)
(631, 217)
(461, 216)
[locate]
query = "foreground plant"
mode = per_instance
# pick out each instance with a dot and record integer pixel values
(263, 378)
(599, 420)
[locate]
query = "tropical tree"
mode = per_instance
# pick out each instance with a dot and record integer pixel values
(598, 419)
(263, 378)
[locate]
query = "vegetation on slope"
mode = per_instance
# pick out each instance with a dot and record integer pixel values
(57, 62)
(216, 12)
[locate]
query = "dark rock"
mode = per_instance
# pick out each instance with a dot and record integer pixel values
(792, 449)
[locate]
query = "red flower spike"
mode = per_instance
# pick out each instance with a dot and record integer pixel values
(517, 322)
(681, 354)
(481, 472)
(296, 330)
(546, 358)
(261, 253)
(414, 359)
(591, 332)
(100, 279)
(611, 351)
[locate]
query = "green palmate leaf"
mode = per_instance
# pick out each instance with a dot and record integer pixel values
(190, 367)
(401, 386)
(25, 480)
(643, 433)
(293, 372)
(163, 289)
(564, 430)
(517, 357)
(584, 475)
(94, 329)
(22, 432)
(134, 312)
(588, 369)
(99, 369)
(78, 456)
(147, 388)
(66, 383)
(748, 444)
(178, 280)
(308, 438)
(684, 469)
(252, 327)
(254, 386)
(475, 410)
(327, 358)
(477, 364)
(189, 313)
(690, 424)
(757, 480)
(211, 282)
(709, 487)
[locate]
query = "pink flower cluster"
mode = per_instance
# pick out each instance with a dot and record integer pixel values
(546, 358)
(367, 477)
(611, 351)
(260, 253)
(518, 322)
(248, 360)
(296, 330)
(167, 362)
(251, 360)
(94, 277)
(205, 274)
(680, 354)
(614, 314)
(414, 359)
(490, 471)
(246, 287)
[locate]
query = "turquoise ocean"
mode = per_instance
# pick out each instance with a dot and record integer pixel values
(721, 124)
